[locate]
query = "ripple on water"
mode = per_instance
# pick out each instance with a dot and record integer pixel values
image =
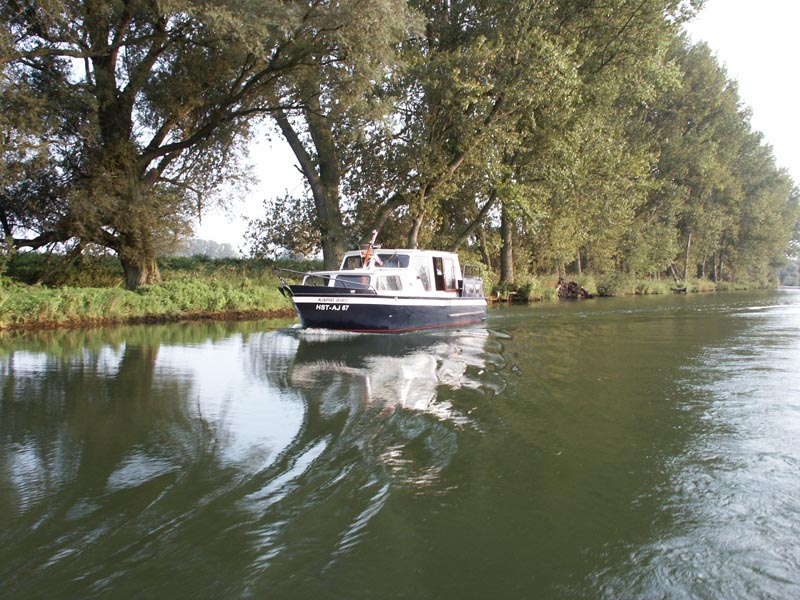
(732, 519)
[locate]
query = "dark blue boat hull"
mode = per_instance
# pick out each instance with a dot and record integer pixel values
(365, 311)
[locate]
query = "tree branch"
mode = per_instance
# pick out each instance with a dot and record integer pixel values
(476, 222)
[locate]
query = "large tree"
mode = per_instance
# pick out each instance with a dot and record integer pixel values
(327, 104)
(717, 185)
(477, 69)
(145, 101)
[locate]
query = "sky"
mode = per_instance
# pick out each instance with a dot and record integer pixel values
(756, 42)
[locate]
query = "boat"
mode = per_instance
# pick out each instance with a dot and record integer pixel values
(380, 290)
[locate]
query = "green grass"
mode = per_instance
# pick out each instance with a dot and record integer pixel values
(191, 288)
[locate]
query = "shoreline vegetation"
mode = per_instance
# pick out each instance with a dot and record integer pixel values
(41, 292)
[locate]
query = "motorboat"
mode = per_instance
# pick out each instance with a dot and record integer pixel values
(389, 291)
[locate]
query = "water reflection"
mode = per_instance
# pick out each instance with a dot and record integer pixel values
(218, 460)
(393, 373)
(377, 423)
(642, 447)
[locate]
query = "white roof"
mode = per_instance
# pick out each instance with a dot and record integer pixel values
(409, 251)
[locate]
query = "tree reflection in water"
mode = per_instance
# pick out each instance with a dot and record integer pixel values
(217, 459)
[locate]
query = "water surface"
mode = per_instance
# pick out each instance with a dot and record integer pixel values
(639, 448)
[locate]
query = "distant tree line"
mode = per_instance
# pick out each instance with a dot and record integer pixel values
(208, 248)
(539, 136)
(790, 274)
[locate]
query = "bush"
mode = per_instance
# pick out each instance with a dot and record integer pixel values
(538, 289)
(588, 283)
(7, 252)
(56, 270)
(648, 287)
(532, 289)
(616, 284)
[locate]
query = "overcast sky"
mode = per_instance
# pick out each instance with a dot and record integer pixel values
(757, 42)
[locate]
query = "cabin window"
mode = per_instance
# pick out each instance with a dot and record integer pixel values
(422, 266)
(394, 261)
(352, 281)
(351, 262)
(390, 283)
(450, 274)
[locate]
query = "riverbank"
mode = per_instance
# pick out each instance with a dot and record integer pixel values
(193, 289)
(25, 307)
(546, 289)
(41, 293)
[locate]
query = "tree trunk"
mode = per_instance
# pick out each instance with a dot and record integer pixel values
(673, 271)
(507, 250)
(325, 188)
(686, 261)
(476, 223)
(716, 268)
(413, 234)
(487, 258)
(139, 271)
(323, 176)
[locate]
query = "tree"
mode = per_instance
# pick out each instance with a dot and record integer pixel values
(465, 81)
(767, 214)
(718, 185)
(145, 104)
(583, 172)
(325, 105)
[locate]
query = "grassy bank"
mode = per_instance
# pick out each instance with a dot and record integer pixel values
(41, 291)
(543, 289)
(36, 294)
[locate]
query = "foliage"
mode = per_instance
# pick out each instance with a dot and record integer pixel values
(138, 111)
(538, 289)
(790, 274)
(287, 223)
(63, 270)
(650, 287)
(546, 139)
(616, 283)
(7, 252)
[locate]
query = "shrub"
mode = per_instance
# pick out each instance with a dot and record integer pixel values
(616, 283)
(588, 283)
(649, 287)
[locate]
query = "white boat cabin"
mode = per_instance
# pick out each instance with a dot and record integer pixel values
(398, 273)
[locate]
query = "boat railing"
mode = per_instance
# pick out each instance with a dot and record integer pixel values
(472, 285)
(338, 278)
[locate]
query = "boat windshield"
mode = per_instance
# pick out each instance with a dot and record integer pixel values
(394, 260)
(389, 260)
(352, 281)
(352, 262)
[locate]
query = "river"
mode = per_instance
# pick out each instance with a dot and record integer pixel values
(611, 448)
